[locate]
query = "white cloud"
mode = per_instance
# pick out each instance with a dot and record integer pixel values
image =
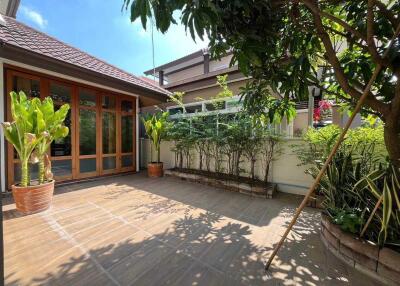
(175, 38)
(34, 16)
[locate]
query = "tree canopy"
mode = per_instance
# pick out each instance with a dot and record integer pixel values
(292, 46)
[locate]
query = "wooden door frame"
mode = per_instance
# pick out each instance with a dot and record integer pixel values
(72, 129)
(117, 138)
(45, 81)
(78, 157)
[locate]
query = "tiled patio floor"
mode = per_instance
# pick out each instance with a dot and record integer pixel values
(131, 230)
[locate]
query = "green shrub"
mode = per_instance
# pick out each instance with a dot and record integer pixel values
(358, 176)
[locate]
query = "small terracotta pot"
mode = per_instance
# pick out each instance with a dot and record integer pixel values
(155, 170)
(33, 199)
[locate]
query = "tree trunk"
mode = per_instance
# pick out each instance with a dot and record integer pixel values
(392, 139)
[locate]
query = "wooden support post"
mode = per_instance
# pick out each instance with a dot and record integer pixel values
(333, 152)
(371, 216)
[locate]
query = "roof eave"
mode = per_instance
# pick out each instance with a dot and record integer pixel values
(175, 62)
(28, 57)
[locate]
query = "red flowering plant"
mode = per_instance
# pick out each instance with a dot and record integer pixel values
(324, 107)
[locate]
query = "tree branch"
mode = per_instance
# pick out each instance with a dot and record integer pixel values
(370, 36)
(387, 13)
(349, 39)
(315, 10)
(371, 101)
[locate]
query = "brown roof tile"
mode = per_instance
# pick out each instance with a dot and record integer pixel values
(17, 34)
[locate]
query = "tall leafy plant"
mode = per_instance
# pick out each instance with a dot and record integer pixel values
(156, 129)
(21, 133)
(35, 125)
(53, 128)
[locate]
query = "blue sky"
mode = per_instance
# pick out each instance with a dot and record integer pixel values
(100, 28)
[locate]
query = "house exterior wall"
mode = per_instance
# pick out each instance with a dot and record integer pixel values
(300, 123)
(186, 73)
(209, 92)
(340, 119)
(221, 64)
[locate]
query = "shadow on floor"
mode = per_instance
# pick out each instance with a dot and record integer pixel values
(202, 249)
(204, 255)
(226, 203)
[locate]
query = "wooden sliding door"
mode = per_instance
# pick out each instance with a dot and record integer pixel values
(88, 122)
(127, 133)
(61, 150)
(102, 137)
(109, 135)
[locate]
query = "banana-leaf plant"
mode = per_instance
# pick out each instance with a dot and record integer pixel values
(22, 132)
(53, 128)
(156, 126)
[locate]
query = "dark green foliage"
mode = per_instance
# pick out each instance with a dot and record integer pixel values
(224, 141)
(292, 47)
(357, 177)
(350, 222)
(277, 41)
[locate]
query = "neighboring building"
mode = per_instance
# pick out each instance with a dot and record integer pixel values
(104, 99)
(195, 75)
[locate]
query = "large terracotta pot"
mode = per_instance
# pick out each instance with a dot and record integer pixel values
(33, 199)
(155, 170)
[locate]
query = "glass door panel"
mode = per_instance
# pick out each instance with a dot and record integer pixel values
(61, 149)
(109, 135)
(126, 134)
(127, 131)
(30, 86)
(88, 133)
(109, 163)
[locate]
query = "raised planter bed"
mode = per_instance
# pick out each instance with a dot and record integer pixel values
(243, 185)
(383, 264)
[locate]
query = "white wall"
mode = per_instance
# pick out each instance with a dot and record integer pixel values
(285, 171)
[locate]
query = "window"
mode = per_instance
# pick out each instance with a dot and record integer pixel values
(31, 87)
(227, 105)
(216, 106)
(193, 108)
(176, 110)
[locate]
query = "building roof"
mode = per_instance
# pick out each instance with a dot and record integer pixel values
(181, 60)
(16, 34)
(149, 80)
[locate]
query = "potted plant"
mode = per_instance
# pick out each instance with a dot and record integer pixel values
(156, 127)
(35, 125)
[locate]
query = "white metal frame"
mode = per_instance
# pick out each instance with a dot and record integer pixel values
(288, 130)
(204, 111)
